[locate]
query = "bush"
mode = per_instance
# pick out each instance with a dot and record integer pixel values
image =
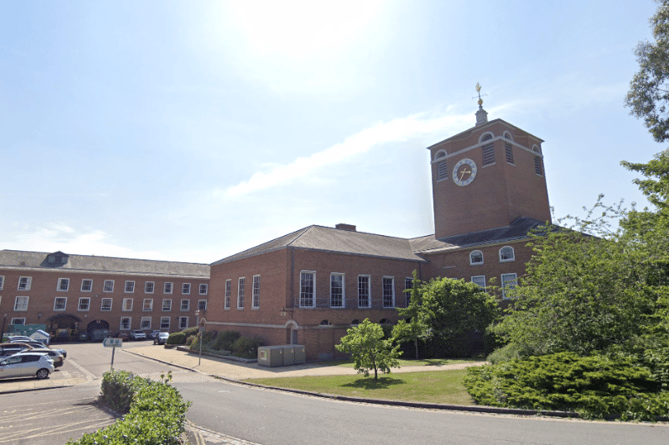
(118, 389)
(247, 347)
(224, 340)
(190, 340)
(176, 338)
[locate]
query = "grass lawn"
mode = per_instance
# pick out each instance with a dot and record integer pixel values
(405, 363)
(429, 386)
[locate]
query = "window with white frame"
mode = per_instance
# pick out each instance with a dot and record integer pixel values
(149, 287)
(476, 257)
(167, 305)
(18, 320)
(147, 304)
(241, 285)
(108, 286)
(127, 304)
(59, 303)
(164, 323)
(509, 281)
(21, 303)
(364, 291)
(185, 305)
(185, 288)
(183, 322)
(408, 285)
(84, 303)
(336, 290)
(202, 305)
(307, 289)
(255, 300)
(129, 287)
(2, 282)
(25, 283)
(63, 284)
(388, 291)
(86, 285)
(506, 253)
(228, 291)
(204, 288)
(167, 288)
(126, 322)
(145, 323)
(479, 280)
(106, 305)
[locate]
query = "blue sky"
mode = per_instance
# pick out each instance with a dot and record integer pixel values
(192, 130)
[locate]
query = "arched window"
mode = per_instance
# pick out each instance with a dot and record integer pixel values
(538, 169)
(486, 137)
(442, 165)
(507, 135)
(488, 149)
(355, 322)
(325, 323)
(476, 257)
(506, 253)
(385, 321)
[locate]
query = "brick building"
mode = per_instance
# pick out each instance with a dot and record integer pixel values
(83, 293)
(308, 287)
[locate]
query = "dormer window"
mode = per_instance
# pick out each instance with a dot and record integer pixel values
(57, 258)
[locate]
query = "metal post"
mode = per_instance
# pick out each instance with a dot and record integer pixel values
(199, 362)
(112, 363)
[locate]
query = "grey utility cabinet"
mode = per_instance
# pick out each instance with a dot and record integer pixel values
(283, 355)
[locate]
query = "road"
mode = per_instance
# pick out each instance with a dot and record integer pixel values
(226, 410)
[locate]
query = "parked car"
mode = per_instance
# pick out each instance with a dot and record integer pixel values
(56, 356)
(137, 334)
(7, 349)
(100, 334)
(161, 338)
(154, 334)
(15, 338)
(26, 364)
(40, 345)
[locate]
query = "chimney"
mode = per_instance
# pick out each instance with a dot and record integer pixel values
(348, 227)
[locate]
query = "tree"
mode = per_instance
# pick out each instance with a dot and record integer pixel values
(649, 93)
(447, 312)
(415, 327)
(369, 350)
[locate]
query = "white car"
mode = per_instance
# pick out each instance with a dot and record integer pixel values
(26, 364)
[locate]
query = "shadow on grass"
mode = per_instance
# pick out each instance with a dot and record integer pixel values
(370, 383)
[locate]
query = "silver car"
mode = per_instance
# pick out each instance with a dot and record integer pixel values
(26, 364)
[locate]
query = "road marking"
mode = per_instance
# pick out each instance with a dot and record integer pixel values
(89, 376)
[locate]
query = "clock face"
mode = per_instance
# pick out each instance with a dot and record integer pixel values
(464, 172)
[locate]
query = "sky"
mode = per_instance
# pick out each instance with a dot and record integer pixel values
(189, 131)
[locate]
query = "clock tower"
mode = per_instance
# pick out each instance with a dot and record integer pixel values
(487, 177)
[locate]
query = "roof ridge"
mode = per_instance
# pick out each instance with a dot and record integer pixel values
(104, 257)
(299, 235)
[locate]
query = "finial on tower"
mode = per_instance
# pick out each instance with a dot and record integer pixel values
(481, 115)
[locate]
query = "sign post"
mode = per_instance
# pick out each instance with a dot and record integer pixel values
(112, 343)
(202, 322)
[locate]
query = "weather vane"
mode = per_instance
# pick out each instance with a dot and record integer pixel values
(478, 90)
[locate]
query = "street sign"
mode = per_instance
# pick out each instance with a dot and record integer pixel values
(112, 342)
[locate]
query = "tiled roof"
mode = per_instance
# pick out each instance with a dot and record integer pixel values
(88, 263)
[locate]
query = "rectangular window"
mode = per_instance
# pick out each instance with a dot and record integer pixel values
(108, 286)
(127, 304)
(86, 285)
(84, 303)
(59, 303)
(488, 154)
(185, 305)
(255, 303)
(183, 322)
(24, 283)
(537, 166)
(167, 305)
(202, 305)
(149, 286)
(240, 292)
(2, 282)
(336, 290)
(509, 281)
(167, 288)
(408, 285)
(307, 289)
(147, 304)
(388, 291)
(509, 152)
(185, 288)
(442, 170)
(106, 305)
(164, 323)
(18, 320)
(228, 291)
(126, 322)
(21, 303)
(364, 291)
(480, 280)
(145, 323)
(204, 288)
(129, 287)
(63, 284)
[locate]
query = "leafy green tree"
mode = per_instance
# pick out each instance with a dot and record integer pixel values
(369, 350)
(415, 327)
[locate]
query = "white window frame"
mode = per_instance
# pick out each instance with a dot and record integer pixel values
(106, 288)
(16, 319)
(508, 283)
(185, 289)
(255, 293)
(102, 304)
(125, 307)
(343, 290)
(90, 288)
(369, 291)
(168, 287)
(88, 307)
(200, 306)
(169, 305)
(203, 288)
(63, 285)
(142, 325)
(383, 291)
(163, 325)
(129, 284)
(471, 258)
(507, 260)
(181, 324)
(25, 283)
(121, 328)
(187, 305)
(304, 296)
(241, 292)
(228, 294)
(152, 285)
(21, 304)
(56, 306)
(480, 280)
(2, 281)
(150, 305)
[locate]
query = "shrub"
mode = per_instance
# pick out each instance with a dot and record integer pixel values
(190, 340)
(224, 340)
(247, 347)
(118, 389)
(176, 338)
